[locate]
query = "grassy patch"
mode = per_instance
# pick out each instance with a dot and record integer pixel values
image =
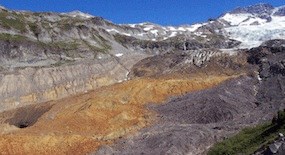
(68, 23)
(12, 20)
(62, 62)
(66, 45)
(250, 140)
(34, 28)
(9, 37)
(103, 49)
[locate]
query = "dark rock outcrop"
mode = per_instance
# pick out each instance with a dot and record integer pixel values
(280, 12)
(261, 8)
(193, 62)
(270, 58)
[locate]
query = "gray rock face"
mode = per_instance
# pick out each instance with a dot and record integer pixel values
(33, 85)
(190, 62)
(271, 60)
(280, 12)
(26, 53)
(261, 8)
(172, 62)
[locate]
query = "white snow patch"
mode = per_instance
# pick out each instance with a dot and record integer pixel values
(194, 27)
(254, 35)
(148, 27)
(251, 20)
(198, 33)
(132, 25)
(119, 54)
(236, 19)
(126, 34)
(259, 78)
(116, 31)
(79, 14)
(112, 30)
(164, 28)
(173, 34)
(181, 29)
(164, 38)
(140, 34)
(155, 32)
(171, 28)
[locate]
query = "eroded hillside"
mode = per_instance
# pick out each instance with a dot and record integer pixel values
(82, 123)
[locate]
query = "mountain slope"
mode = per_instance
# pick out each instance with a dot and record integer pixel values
(72, 83)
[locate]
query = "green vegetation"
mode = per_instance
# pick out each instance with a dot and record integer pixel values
(62, 62)
(65, 45)
(12, 20)
(250, 140)
(68, 24)
(96, 49)
(9, 37)
(34, 28)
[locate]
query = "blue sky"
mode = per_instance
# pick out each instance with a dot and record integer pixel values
(164, 12)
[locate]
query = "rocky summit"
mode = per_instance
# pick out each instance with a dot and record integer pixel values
(73, 83)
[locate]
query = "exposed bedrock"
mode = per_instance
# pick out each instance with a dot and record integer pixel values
(192, 62)
(270, 57)
(39, 84)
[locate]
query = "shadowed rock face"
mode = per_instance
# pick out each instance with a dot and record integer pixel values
(280, 12)
(25, 116)
(271, 61)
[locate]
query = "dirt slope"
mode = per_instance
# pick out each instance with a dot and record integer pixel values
(82, 123)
